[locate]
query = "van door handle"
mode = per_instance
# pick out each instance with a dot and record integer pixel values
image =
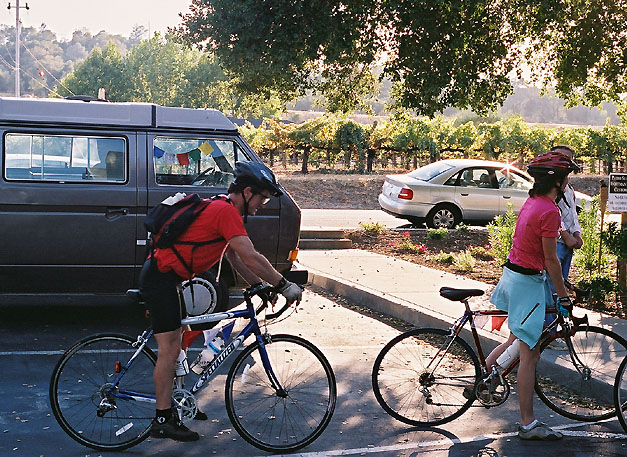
(507, 196)
(114, 213)
(464, 194)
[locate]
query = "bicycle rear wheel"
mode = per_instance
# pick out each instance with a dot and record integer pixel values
(82, 383)
(275, 422)
(585, 391)
(620, 393)
(419, 377)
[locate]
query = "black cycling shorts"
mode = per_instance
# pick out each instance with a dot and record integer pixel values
(162, 298)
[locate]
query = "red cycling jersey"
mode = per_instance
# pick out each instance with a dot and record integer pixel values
(219, 220)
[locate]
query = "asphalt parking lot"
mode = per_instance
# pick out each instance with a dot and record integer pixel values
(349, 336)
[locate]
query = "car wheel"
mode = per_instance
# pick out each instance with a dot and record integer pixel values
(443, 216)
(209, 295)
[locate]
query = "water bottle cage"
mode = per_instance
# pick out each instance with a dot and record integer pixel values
(214, 348)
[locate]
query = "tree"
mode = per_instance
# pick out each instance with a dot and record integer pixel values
(290, 47)
(165, 71)
(446, 53)
(100, 69)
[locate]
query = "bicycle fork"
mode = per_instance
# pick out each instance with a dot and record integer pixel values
(274, 380)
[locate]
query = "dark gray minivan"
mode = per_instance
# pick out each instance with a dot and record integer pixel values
(78, 178)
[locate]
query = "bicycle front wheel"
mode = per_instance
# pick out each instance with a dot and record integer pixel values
(87, 405)
(281, 421)
(580, 386)
(620, 393)
(420, 377)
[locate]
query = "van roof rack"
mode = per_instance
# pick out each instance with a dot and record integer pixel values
(86, 98)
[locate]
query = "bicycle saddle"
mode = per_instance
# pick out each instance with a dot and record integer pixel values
(459, 294)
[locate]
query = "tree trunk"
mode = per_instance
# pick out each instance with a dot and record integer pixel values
(306, 152)
(370, 160)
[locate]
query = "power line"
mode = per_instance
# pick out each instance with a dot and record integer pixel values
(45, 86)
(46, 70)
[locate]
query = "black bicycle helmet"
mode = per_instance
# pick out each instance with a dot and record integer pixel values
(551, 163)
(256, 175)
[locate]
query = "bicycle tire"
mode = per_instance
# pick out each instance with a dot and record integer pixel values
(78, 384)
(586, 395)
(620, 393)
(407, 391)
(264, 419)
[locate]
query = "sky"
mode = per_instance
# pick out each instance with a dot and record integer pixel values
(114, 16)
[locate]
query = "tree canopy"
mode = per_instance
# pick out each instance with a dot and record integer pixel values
(165, 71)
(446, 53)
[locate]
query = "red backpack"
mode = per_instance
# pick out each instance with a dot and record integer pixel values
(167, 222)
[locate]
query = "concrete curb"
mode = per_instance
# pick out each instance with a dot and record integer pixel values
(397, 308)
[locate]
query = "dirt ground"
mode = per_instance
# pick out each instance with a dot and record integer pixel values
(319, 191)
(352, 191)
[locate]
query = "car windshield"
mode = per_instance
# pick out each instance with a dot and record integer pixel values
(430, 171)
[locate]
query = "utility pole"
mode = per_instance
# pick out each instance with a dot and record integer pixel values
(17, 43)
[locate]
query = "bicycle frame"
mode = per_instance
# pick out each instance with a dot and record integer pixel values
(251, 328)
(566, 330)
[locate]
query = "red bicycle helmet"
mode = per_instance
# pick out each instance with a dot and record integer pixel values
(550, 163)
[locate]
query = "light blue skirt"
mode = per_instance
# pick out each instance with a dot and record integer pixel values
(525, 298)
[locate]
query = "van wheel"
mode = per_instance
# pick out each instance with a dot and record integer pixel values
(444, 216)
(209, 295)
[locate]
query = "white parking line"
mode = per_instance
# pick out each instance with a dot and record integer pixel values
(444, 442)
(18, 353)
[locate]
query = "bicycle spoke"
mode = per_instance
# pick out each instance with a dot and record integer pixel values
(418, 383)
(83, 380)
(272, 422)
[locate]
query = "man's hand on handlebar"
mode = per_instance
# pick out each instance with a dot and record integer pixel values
(291, 291)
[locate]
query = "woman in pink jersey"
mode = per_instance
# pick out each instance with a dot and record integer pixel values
(523, 290)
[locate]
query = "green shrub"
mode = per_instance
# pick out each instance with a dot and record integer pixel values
(442, 257)
(501, 233)
(481, 252)
(586, 259)
(601, 286)
(372, 227)
(407, 245)
(437, 234)
(462, 227)
(464, 261)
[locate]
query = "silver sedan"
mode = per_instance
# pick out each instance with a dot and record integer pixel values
(448, 192)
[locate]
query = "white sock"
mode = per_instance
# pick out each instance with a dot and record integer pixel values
(526, 428)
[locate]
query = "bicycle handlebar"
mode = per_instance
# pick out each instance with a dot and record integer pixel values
(268, 294)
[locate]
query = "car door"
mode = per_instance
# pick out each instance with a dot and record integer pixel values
(513, 189)
(69, 211)
(203, 164)
(476, 193)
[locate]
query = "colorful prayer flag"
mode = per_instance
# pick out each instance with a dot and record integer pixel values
(194, 154)
(490, 323)
(206, 148)
(158, 152)
(169, 159)
(183, 158)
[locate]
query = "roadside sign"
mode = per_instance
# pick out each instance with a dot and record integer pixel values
(617, 195)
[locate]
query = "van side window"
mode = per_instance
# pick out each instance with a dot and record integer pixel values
(37, 157)
(195, 162)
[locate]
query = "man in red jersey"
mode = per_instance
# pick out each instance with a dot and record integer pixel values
(252, 188)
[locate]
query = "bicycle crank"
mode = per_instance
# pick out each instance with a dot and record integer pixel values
(492, 391)
(185, 404)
